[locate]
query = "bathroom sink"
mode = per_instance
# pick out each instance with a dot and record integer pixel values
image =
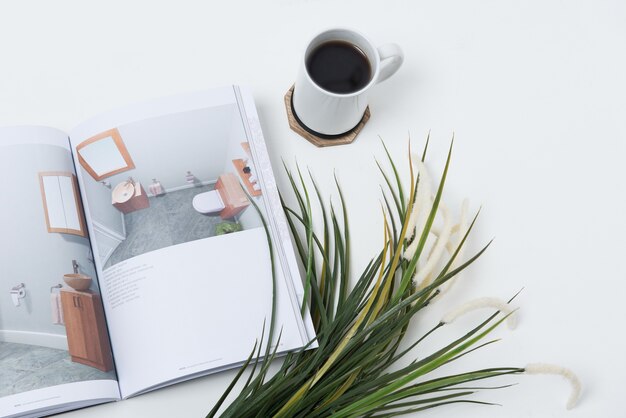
(123, 192)
(77, 281)
(129, 196)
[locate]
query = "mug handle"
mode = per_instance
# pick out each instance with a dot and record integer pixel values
(391, 58)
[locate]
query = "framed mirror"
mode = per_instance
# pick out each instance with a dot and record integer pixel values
(104, 155)
(61, 203)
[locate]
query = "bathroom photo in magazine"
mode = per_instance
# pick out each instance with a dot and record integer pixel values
(52, 328)
(173, 191)
(168, 180)
(112, 218)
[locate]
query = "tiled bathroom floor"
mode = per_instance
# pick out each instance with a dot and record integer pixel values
(170, 220)
(26, 367)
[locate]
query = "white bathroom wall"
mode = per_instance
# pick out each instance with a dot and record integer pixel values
(101, 209)
(28, 253)
(167, 147)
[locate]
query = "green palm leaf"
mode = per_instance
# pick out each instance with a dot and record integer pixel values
(360, 330)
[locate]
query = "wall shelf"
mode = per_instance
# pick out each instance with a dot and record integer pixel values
(245, 177)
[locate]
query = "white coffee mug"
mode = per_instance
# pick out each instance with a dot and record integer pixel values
(330, 114)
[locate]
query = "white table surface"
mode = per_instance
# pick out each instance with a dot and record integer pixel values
(534, 90)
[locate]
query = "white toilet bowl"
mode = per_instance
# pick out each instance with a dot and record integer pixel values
(208, 202)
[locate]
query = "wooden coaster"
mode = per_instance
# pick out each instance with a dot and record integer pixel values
(317, 140)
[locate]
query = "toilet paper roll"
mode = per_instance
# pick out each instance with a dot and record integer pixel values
(15, 297)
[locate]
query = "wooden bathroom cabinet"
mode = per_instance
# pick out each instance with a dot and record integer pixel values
(233, 196)
(87, 336)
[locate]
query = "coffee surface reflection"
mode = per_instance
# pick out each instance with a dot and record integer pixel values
(339, 67)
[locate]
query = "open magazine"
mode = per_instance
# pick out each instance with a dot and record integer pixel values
(133, 256)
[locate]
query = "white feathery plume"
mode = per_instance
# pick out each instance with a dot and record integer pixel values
(410, 227)
(421, 210)
(480, 303)
(424, 197)
(446, 238)
(460, 229)
(423, 189)
(423, 276)
(542, 368)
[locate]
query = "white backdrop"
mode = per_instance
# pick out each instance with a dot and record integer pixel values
(534, 91)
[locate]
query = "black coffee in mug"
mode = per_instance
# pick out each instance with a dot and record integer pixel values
(339, 67)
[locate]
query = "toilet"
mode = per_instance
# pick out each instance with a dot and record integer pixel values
(208, 203)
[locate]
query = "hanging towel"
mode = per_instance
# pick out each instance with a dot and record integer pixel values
(57, 309)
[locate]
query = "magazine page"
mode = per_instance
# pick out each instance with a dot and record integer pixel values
(169, 188)
(51, 357)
